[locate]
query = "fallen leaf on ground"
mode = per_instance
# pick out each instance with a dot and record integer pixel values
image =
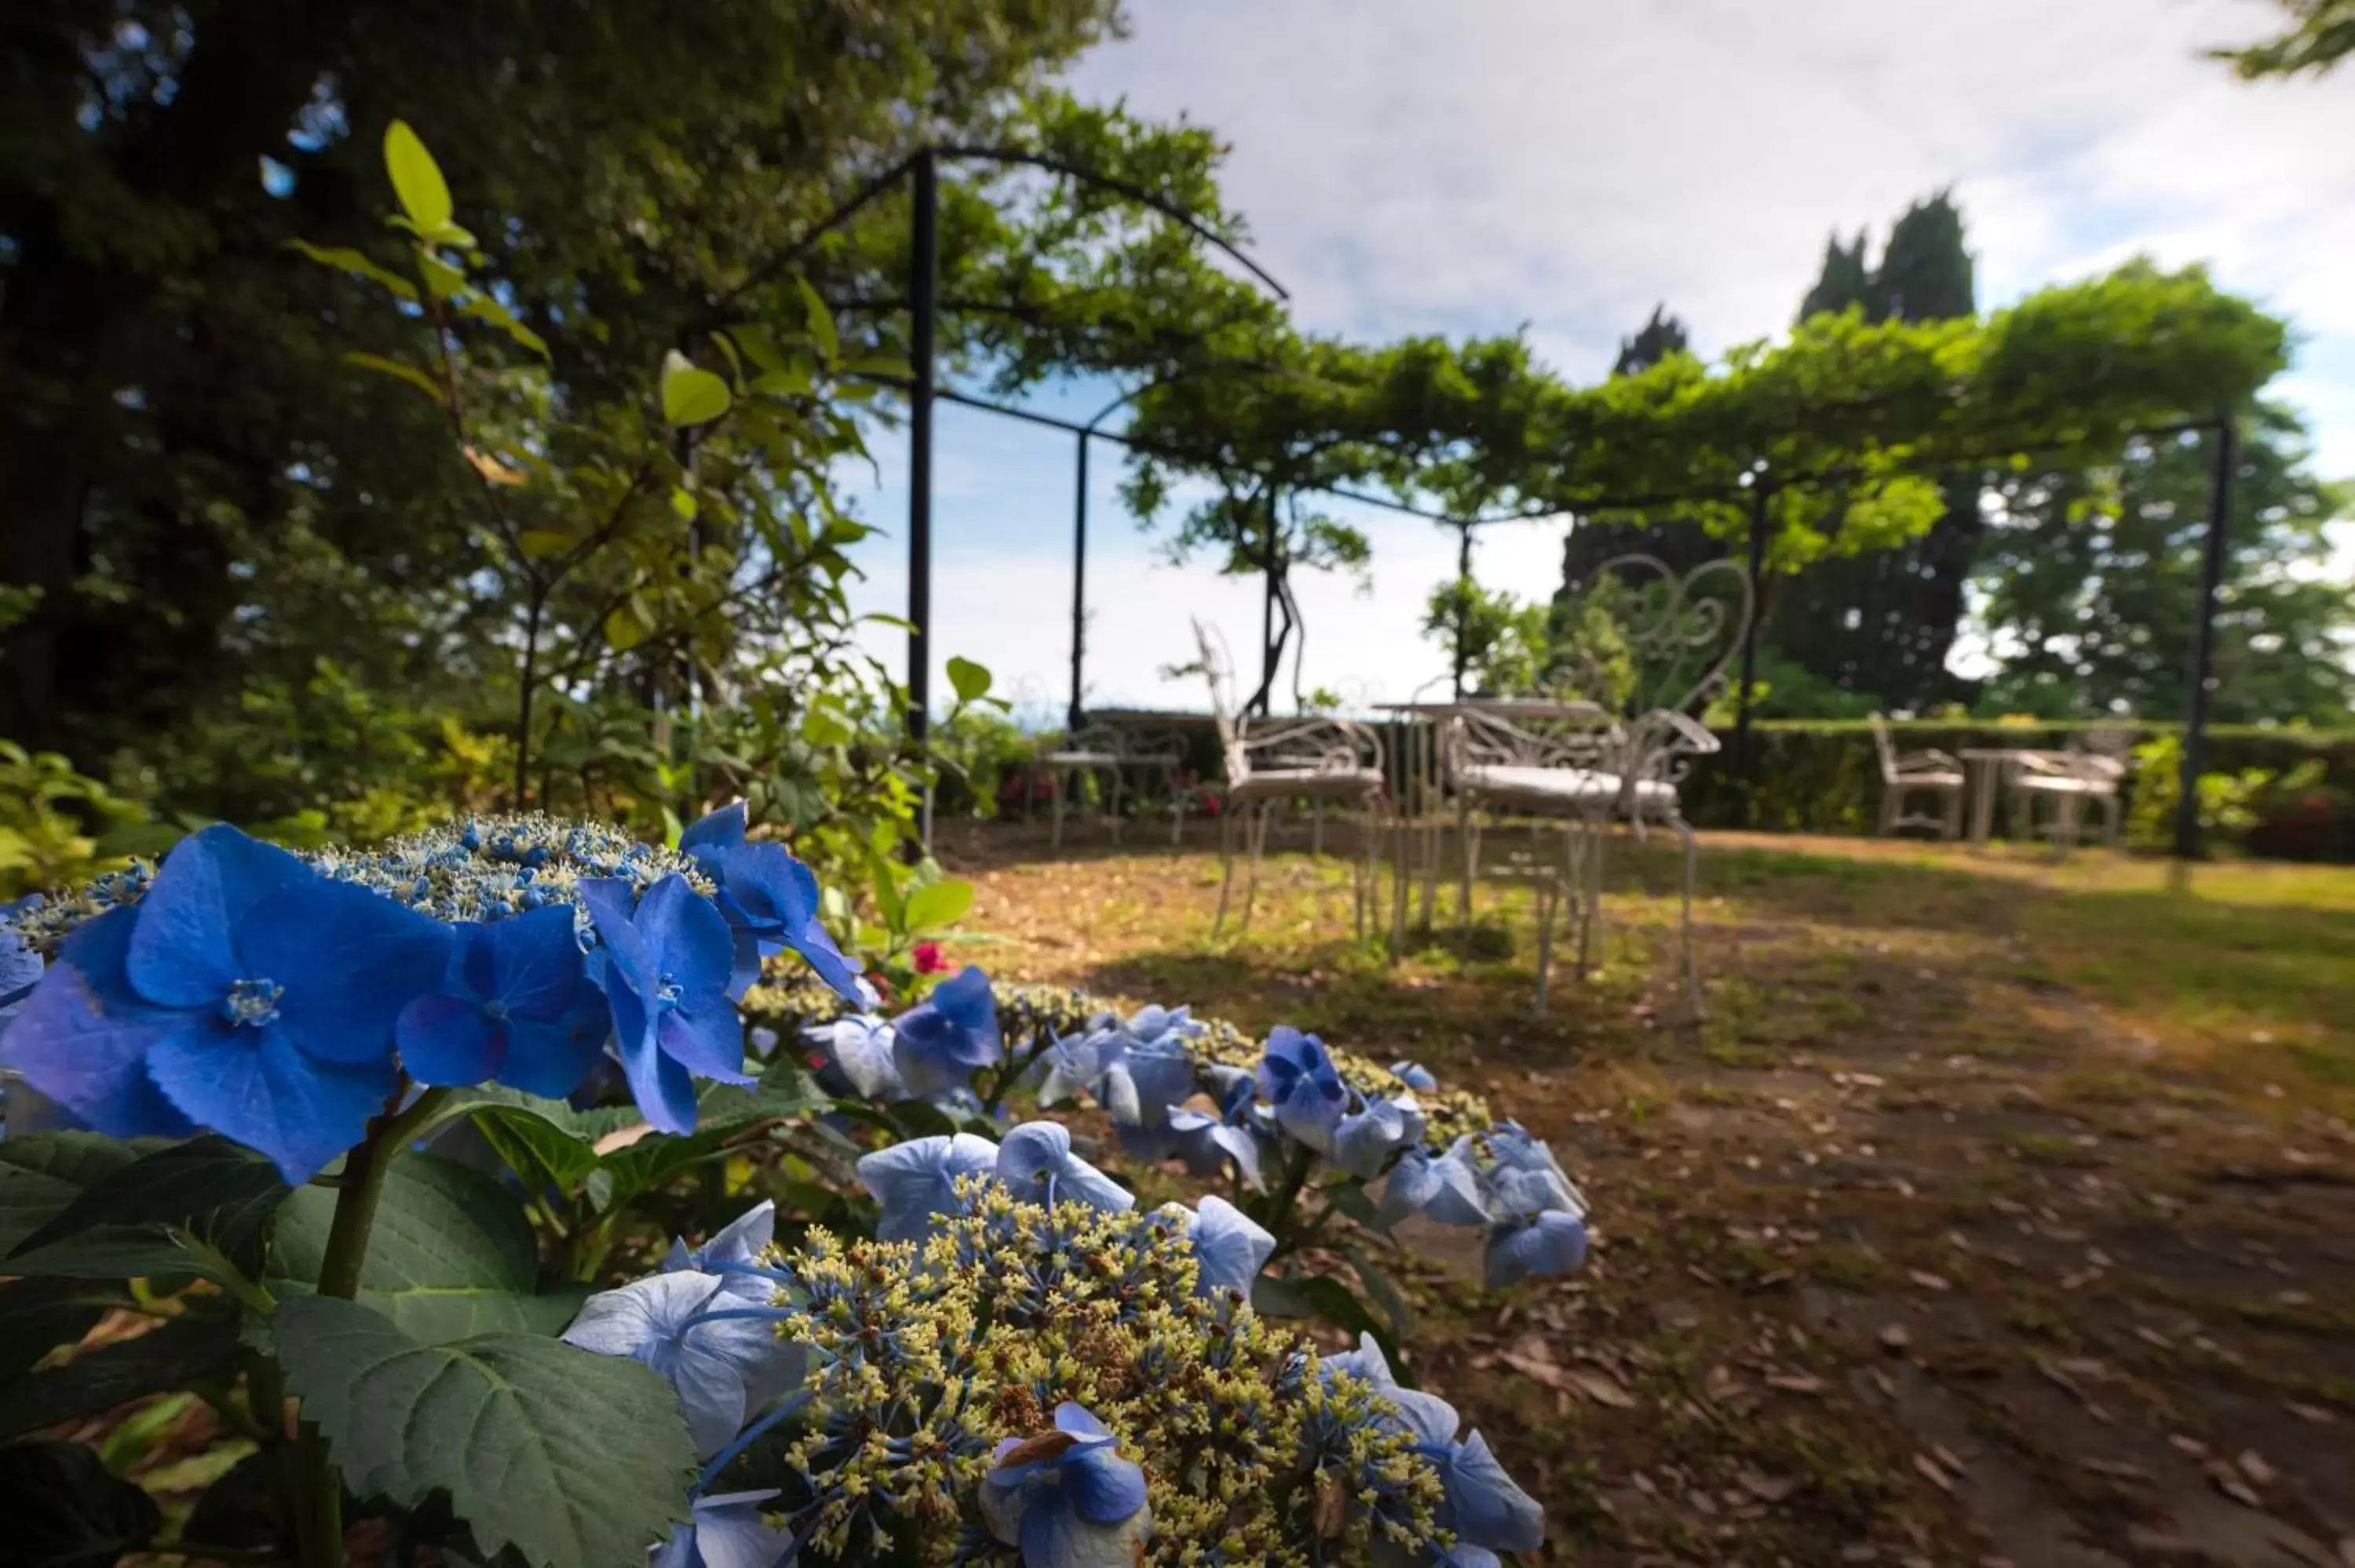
(1766, 1488)
(1932, 1473)
(1929, 1281)
(1895, 1338)
(2253, 1465)
(1601, 1388)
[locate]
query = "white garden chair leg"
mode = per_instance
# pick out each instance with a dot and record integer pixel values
(1251, 877)
(1691, 963)
(1226, 865)
(1062, 781)
(1593, 915)
(1115, 803)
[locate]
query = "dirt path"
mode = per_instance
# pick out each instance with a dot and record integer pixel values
(1914, 1253)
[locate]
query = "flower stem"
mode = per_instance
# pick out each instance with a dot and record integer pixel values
(1280, 1213)
(320, 1494)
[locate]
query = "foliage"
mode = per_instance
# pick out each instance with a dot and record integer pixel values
(2093, 596)
(1501, 643)
(2231, 803)
(57, 827)
(2319, 34)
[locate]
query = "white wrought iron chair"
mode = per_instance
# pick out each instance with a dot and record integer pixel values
(2091, 770)
(1652, 648)
(1271, 762)
(1932, 773)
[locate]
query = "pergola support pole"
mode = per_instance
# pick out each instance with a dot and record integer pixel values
(1744, 765)
(1463, 600)
(2204, 647)
(1075, 719)
(924, 281)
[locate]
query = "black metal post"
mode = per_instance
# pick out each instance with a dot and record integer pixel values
(1267, 612)
(1075, 719)
(1463, 600)
(2204, 647)
(923, 281)
(1743, 771)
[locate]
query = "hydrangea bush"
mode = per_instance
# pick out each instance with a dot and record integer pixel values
(347, 1126)
(1038, 1371)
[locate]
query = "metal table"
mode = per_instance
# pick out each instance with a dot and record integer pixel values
(1989, 767)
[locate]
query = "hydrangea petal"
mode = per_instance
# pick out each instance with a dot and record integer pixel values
(1105, 1487)
(181, 954)
(83, 1037)
(446, 1040)
(551, 1060)
(1230, 1246)
(688, 938)
(1489, 1509)
(719, 830)
(915, 1180)
(535, 962)
(707, 1043)
(349, 959)
(258, 1086)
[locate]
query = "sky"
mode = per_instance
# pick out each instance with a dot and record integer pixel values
(1475, 166)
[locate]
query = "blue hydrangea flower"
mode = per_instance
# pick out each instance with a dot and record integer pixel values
(1208, 1142)
(1159, 1076)
(1066, 1497)
(1415, 1077)
(915, 1182)
(726, 1532)
(20, 967)
(1299, 1081)
(1442, 1187)
(714, 1350)
(1036, 1163)
(1366, 1138)
(1086, 1065)
(770, 900)
(1483, 1507)
(941, 1042)
(739, 1241)
(859, 1047)
(666, 973)
(1167, 1028)
(1540, 1226)
(258, 996)
(514, 1005)
(1228, 1244)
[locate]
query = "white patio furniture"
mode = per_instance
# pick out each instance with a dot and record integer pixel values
(1931, 773)
(2089, 771)
(1113, 751)
(1271, 762)
(1652, 648)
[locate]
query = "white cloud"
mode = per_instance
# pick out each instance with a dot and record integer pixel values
(1468, 167)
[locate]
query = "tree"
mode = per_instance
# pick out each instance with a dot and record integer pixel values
(2321, 32)
(187, 458)
(1660, 337)
(1881, 623)
(2092, 584)
(1593, 539)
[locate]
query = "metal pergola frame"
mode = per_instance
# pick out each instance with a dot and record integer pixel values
(1757, 485)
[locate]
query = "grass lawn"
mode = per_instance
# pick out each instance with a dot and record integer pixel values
(1998, 1211)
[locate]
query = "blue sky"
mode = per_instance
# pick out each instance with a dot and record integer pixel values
(1471, 167)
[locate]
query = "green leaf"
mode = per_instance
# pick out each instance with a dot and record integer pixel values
(920, 1119)
(758, 347)
(147, 839)
(652, 1160)
(941, 904)
(785, 1090)
(169, 1357)
(65, 1510)
(682, 502)
(1387, 1297)
(485, 306)
(572, 1458)
(37, 1316)
(442, 280)
(42, 1173)
(821, 322)
(540, 1154)
(970, 681)
(451, 1253)
(358, 266)
(416, 180)
(394, 367)
(1349, 1198)
(691, 396)
(217, 1190)
(888, 901)
(541, 544)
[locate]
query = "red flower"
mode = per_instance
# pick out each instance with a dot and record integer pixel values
(929, 960)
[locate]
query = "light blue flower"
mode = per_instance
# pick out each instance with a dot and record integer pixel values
(1160, 1077)
(1228, 1244)
(1081, 1064)
(1414, 1077)
(20, 967)
(740, 1241)
(860, 1048)
(1036, 1163)
(514, 1005)
(1442, 1187)
(1169, 1028)
(699, 1337)
(1366, 1140)
(1066, 1497)
(1483, 1506)
(726, 1533)
(666, 974)
(940, 1042)
(1299, 1081)
(1238, 1133)
(259, 997)
(1540, 1226)
(914, 1182)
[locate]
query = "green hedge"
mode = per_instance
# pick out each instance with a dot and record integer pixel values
(1823, 777)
